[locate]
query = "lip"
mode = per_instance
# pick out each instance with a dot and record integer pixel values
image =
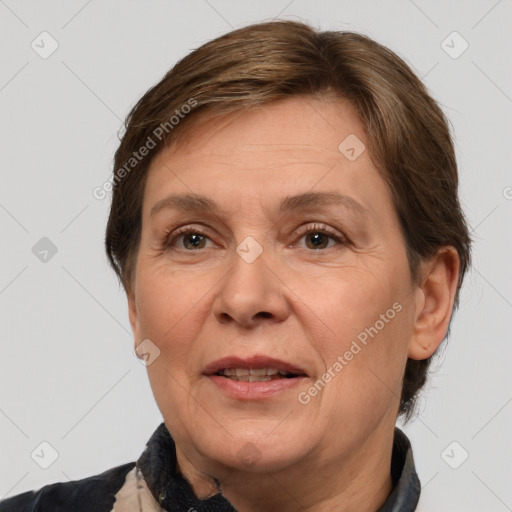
(253, 390)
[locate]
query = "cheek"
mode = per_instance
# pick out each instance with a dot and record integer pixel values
(369, 320)
(350, 302)
(171, 311)
(369, 377)
(167, 299)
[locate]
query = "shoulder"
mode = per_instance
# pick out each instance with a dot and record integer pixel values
(93, 493)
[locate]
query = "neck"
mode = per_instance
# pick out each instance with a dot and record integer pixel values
(361, 481)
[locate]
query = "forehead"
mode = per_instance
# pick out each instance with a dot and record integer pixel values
(299, 123)
(294, 143)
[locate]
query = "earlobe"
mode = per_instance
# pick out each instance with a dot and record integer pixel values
(434, 304)
(133, 316)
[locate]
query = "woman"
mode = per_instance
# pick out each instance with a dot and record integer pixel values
(286, 225)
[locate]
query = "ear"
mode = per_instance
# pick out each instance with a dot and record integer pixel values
(134, 319)
(434, 304)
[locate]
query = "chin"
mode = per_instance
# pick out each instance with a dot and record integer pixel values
(250, 451)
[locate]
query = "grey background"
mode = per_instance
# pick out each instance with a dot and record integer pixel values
(67, 369)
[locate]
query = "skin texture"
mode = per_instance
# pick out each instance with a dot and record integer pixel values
(294, 302)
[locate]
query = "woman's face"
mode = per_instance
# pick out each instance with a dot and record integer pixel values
(267, 246)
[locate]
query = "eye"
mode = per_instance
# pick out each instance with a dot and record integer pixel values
(188, 238)
(316, 236)
(319, 236)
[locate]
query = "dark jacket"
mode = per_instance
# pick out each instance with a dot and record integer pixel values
(152, 484)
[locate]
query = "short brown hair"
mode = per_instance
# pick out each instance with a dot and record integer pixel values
(409, 138)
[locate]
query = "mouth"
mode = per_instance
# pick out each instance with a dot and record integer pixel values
(257, 374)
(254, 377)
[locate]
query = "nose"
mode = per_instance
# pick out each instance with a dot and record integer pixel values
(251, 293)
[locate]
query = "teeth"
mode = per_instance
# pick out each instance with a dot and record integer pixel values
(259, 371)
(251, 378)
(252, 374)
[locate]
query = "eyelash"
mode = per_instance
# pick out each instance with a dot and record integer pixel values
(322, 229)
(171, 238)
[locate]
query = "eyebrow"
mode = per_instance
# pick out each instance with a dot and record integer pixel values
(306, 201)
(310, 200)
